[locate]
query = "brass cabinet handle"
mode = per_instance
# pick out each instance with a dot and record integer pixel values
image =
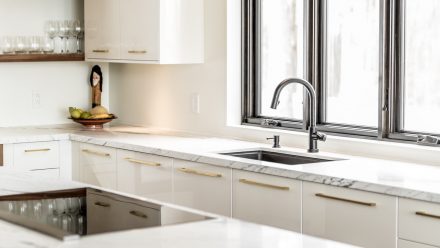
(425, 214)
(102, 204)
(38, 150)
(369, 204)
(136, 161)
(100, 51)
(137, 51)
(103, 154)
(138, 214)
(266, 185)
(200, 173)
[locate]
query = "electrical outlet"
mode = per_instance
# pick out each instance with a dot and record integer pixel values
(195, 103)
(36, 100)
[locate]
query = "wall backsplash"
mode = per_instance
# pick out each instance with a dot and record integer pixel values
(59, 85)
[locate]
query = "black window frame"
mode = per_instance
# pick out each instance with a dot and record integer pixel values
(391, 73)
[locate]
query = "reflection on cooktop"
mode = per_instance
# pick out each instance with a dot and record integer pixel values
(69, 214)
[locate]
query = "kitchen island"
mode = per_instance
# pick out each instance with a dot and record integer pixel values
(218, 232)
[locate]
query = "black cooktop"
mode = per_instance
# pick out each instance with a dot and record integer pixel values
(70, 214)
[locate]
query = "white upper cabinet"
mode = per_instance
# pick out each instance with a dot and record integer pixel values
(145, 31)
(102, 34)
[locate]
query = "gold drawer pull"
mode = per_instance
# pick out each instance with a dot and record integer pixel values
(137, 51)
(369, 204)
(246, 181)
(425, 214)
(38, 150)
(103, 154)
(135, 161)
(100, 51)
(139, 214)
(200, 173)
(102, 204)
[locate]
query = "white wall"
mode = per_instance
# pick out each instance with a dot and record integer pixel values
(160, 96)
(59, 84)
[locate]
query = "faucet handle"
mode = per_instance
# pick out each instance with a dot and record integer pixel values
(321, 136)
(276, 141)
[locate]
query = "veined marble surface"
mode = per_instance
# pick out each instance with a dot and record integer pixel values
(415, 181)
(217, 233)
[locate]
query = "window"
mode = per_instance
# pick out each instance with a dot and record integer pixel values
(373, 63)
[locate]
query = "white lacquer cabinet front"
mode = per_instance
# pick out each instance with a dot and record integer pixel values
(350, 216)
(201, 186)
(265, 199)
(145, 175)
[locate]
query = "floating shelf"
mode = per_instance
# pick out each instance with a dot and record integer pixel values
(40, 57)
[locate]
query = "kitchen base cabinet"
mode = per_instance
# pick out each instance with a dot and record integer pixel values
(408, 244)
(268, 200)
(349, 216)
(419, 221)
(97, 166)
(145, 175)
(204, 187)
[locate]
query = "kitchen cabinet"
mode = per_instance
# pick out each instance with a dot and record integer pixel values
(268, 200)
(419, 221)
(106, 213)
(351, 216)
(144, 31)
(102, 29)
(39, 158)
(202, 186)
(97, 165)
(408, 244)
(145, 175)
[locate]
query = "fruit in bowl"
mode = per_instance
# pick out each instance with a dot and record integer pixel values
(93, 119)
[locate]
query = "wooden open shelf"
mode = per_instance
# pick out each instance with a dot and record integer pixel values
(40, 57)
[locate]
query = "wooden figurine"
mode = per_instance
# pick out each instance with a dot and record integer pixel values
(96, 83)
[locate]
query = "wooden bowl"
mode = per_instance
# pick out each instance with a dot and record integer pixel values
(93, 123)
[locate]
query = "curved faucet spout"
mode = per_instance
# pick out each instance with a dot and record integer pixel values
(314, 136)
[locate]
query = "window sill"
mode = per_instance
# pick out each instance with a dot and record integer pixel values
(380, 149)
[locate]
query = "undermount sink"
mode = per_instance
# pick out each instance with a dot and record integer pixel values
(276, 157)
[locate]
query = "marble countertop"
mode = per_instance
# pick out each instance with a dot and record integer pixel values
(415, 181)
(217, 233)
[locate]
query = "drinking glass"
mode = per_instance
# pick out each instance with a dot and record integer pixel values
(63, 33)
(48, 45)
(21, 44)
(77, 32)
(8, 44)
(51, 29)
(34, 44)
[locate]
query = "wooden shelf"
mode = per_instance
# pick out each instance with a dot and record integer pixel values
(40, 57)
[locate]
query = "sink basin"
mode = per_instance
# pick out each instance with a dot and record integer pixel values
(276, 157)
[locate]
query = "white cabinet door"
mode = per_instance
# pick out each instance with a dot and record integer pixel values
(102, 29)
(268, 200)
(408, 244)
(140, 30)
(48, 173)
(98, 166)
(145, 175)
(36, 156)
(349, 216)
(203, 187)
(419, 221)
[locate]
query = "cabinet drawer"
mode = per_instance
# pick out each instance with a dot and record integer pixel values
(419, 221)
(203, 187)
(145, 175)
(48, 173)
(349, 216)
(106, 214)
(408, 244)
(98, 155)
(36, 156)
(268, 200)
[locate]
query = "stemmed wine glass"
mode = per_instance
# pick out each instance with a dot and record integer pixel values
(63, 32)
(77, 32)
(51, 29)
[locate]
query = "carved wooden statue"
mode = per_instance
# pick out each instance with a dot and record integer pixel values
(96, 83)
